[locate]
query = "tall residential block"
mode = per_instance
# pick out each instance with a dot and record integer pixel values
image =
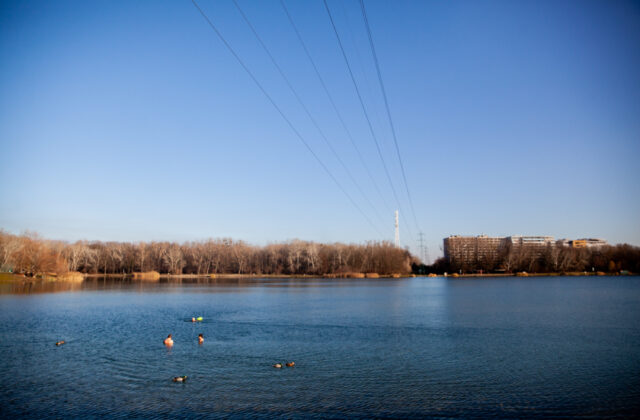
(478, 249)
(472, 249)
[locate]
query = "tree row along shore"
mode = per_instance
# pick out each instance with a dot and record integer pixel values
(30, 255)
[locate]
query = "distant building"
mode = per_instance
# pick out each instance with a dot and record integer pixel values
(588, 243)
(563, 242)
(530, 241)
(582, 243)
(472, 249)
(464, 250)
(475, 250)
(532, 244)
(487, 252)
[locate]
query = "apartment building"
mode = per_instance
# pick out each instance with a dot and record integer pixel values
(588, 243)
(476, 249)
(472, 249)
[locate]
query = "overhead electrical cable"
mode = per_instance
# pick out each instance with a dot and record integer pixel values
(364, 109)
(365, 86)
(386, 105)
(335, 107)
(304, 107)
(358, 63)
(282, 114)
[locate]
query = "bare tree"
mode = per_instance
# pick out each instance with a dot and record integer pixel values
(73, 253)
(9, 246)
(173, 258)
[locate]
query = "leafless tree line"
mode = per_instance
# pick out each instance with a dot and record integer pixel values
(30, 254)
(552, 259)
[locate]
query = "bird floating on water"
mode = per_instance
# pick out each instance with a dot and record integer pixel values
(277, 365)
(291, 364)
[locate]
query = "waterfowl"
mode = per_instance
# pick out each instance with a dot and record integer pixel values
(291, 364)
(180, 378)
(277, 365)
(59, 343)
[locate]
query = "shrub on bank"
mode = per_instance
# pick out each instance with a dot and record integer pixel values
(147, 276)
(71, 276)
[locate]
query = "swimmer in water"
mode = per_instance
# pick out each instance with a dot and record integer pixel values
(193, 319)
(200, 339)
(168, 341)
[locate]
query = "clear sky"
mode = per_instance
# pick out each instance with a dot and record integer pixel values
(129, 120)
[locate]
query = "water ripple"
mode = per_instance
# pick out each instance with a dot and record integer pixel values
(474, 351)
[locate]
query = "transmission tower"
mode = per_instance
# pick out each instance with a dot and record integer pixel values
(423, 249)
(397, 231)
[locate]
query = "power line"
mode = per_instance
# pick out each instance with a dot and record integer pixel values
(364, 109)
(333, 104)
(304, 107)
(386, 104)
(366, 90)
(366, 114)
(296, 132)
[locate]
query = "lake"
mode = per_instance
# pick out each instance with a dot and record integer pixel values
(415, 347)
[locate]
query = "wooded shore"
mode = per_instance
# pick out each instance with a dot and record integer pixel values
(33, 256)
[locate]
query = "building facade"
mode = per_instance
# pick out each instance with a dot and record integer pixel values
(476, 250)
(463, 250)
(486, 252)
(532, 244)
(588, 243)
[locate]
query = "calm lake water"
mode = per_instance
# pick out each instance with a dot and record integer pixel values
(502, 347)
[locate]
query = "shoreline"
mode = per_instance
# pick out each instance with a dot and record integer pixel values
(163, 278)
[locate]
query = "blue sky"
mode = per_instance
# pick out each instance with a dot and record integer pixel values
(131, 121)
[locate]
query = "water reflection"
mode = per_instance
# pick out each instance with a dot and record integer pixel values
(192, 284)
(27, 287)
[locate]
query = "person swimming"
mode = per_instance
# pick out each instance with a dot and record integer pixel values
(59, 343)
(193, 319)
(200, 339)
(168, 341)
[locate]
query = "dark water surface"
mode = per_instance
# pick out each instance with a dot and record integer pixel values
(502, 347)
